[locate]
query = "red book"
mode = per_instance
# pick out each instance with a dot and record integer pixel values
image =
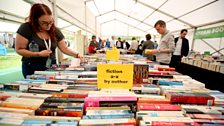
(159, 72)
(3, 98)
(190, 98)
(158, 107)
(166, 69)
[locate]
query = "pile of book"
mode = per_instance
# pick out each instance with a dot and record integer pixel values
(108, 116)
(15, 106)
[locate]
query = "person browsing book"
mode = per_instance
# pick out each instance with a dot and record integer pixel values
(37, 39)
(166, 45)
(93, 45)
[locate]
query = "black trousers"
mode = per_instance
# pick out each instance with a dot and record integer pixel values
(29, 68)
(175, 60)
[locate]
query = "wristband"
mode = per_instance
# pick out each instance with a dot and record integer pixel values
(77, 55)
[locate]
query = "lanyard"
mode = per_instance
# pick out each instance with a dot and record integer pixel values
(48, 47)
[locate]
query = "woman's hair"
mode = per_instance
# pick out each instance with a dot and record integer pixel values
(36, 11)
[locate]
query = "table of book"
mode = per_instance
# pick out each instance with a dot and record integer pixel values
(212, 80)
(70, 97)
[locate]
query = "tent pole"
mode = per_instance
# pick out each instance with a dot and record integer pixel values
(86, 37)
(192, 45)
(58, 54)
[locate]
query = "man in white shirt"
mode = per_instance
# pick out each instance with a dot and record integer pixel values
(134, 45)
(166, 44)
(182, 48)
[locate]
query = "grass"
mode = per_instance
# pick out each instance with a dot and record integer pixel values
(10, 61)
(10, 67)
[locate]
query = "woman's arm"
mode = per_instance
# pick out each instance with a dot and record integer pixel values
(21, 45)
(62, 46)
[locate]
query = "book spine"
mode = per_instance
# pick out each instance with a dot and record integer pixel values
(66, 100)
(70, 95)
(48, 112)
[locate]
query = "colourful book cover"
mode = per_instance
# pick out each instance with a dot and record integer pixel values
(159, 107)
(140, 74)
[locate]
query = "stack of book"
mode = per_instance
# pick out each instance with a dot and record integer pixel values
(47, 88)
(161, 114)
(219, 97)
(22, 85)
(14, 107)
(113, 98)
(61, 105)
(23, 103)
(204, 114)
(108, 116)
(50, 121)
(146, 89)
(8, 118)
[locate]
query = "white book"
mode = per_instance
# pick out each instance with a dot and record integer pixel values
(13, 115)
(160, 113)
(150, 96)
(202, 107)
(105, 121)
(54, 118)
(169, 119)
(11, 121)
(15, 110)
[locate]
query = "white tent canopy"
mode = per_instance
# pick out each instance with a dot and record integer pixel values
(115, 15)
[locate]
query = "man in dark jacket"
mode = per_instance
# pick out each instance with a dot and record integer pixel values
(148, 44)
(182, 48)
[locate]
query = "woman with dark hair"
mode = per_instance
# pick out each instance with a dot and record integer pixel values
(37, 39)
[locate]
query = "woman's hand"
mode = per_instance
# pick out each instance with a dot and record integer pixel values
(44, 53)
(82, 59)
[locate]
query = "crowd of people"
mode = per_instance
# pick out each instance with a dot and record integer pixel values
(168, 51)
(132, 47)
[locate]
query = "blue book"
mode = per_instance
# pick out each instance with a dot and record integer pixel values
(108, 116)
(170, 83)
(67, 123)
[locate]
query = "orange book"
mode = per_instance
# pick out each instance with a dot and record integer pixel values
(70, 95)
(19, 106)
(153, 101)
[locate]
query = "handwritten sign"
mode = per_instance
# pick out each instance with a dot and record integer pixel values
(118, 76)
(113, 54)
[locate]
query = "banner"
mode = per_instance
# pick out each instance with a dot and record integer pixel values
(214, 32)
